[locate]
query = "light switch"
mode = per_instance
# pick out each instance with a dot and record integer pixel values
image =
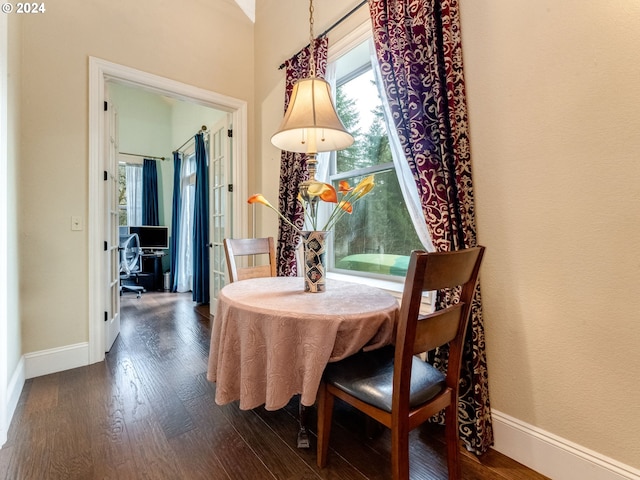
(76, 223)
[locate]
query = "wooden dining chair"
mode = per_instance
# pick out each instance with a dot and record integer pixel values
(393, 385)
(242, 247)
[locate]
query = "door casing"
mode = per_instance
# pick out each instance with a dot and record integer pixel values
(100, 72)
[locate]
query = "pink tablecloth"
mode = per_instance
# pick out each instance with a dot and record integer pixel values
(271, 340)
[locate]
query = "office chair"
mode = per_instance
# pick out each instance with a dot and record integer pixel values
(130, 263)
(238, 247)
(393, 385)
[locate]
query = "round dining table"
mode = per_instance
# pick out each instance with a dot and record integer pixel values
(271, 340)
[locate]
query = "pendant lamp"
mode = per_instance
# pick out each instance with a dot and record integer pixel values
(311, 123)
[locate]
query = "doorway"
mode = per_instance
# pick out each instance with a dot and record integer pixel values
(102, 72)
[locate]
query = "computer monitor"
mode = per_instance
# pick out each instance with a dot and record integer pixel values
(152, 237)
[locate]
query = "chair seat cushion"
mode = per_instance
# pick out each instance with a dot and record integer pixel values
(368, 376)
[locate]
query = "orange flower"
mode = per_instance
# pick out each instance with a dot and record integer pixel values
(258, 198)
(346, 206)
(327, 193)
(344, 186)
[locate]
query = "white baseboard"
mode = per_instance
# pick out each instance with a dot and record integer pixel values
(14, 389)
(55, 360)
(41, 363)
(552, 456)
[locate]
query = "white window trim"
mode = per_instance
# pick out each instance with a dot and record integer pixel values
(342, 46)
(354, 38)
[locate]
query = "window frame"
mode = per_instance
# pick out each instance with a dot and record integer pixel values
(124, 162)
(389, 283)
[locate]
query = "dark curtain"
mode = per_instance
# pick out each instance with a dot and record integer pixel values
(175, 220)
(201, 225)
(293, 169)
(150, 193)
(419, 50)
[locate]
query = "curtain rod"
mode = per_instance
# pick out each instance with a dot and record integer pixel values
(338, 22)
(203, 129)
(149, 157)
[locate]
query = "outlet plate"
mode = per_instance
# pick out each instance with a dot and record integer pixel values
(76, 223)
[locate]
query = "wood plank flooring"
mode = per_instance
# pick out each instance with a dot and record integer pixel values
(148, 412)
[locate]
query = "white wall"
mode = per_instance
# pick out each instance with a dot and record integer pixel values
(11, 374)
(14, 349)
(4, 278)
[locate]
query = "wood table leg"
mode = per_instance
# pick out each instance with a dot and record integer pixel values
(303, 432)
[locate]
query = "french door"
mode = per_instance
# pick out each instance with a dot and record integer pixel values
(111, 258)
(220, 205)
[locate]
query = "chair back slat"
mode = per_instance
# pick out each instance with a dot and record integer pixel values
(448, 269)
(243, 247)
(245, 273)
(437, 329)
(249, 246)
(416, 333)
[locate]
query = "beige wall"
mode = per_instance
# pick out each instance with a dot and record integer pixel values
(205, 44)
(553, 94)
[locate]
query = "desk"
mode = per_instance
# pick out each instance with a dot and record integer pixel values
(152, 265)
(272, 340)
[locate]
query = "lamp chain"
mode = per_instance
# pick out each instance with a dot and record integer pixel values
(312, 53)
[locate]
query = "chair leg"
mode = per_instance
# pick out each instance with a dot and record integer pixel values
(453, 442)
(400, 452)
(325, 414)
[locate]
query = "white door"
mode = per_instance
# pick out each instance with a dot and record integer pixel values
(220, 205)
(112, 238)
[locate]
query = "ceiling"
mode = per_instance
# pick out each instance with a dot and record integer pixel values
(248, 7)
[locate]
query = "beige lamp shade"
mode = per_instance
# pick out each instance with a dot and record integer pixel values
(311, 123)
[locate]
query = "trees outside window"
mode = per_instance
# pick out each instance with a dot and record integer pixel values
(122, 195)
(377, 238)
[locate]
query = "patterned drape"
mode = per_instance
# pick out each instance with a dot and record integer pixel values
(150, 193)
(418, 47)
(293, 169)
(200, 292)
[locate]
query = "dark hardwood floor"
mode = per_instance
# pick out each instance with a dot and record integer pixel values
(148, 412)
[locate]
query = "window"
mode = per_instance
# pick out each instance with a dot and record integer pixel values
(377, 238)
(129, 194)
(184, 257)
